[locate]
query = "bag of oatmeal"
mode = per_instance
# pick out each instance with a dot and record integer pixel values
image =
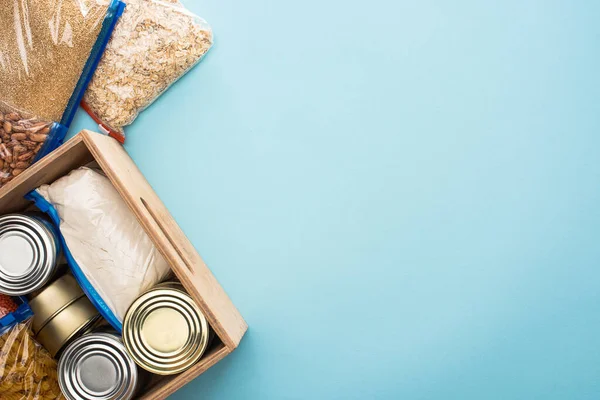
(154, 44)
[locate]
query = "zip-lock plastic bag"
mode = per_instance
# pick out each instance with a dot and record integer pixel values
(154, 44)
(27, 370)
(49, 50)
(110, 254)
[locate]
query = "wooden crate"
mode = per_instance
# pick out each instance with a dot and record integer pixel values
(183, 258)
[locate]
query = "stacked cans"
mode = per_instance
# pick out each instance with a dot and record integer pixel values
(29, 250)
(164, 331)
(61, 313)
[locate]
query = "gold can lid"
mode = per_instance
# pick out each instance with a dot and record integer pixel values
(164, 331)
(53, 299)
(67, 325)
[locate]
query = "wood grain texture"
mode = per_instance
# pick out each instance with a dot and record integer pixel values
(183, 258)
(185, 261)
(170, 384)
(71, 155)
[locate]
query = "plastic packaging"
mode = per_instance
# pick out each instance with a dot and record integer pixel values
(7, 305)
(49, 50)
(27, 371)
(24, 138)
(110, 254)
(16, 310)
(154, 44)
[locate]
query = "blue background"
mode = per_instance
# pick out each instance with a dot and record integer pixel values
(401, 197)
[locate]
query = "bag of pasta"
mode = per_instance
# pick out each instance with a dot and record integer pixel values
(27, 371)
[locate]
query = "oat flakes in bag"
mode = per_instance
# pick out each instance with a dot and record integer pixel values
(154, 44)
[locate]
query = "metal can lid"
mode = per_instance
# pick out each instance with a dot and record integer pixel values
(28, 254)
(66, 325)
(97, 367)
(164, 331)
(53, 299)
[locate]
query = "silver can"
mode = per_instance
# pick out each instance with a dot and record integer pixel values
(29, 249)
(97, 367)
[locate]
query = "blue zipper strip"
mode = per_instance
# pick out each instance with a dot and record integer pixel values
(58, 131)
(55, 139)
(22, 313)
(115, 10)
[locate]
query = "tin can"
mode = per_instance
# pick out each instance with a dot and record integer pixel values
(53, 299)
(164, 331)
(97, 367)
(68, 324)
(29, 249)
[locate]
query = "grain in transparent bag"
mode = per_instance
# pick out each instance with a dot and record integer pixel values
(49, 50)
(154, 44)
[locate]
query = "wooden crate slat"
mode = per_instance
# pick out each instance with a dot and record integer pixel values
(183, 258)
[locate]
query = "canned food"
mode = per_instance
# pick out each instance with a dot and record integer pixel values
(164, 330)
(97, 367)
(29, 250)
(67, 324)
(53, 299)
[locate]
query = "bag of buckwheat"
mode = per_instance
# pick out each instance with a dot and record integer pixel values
(154, 44)
(49, 50)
